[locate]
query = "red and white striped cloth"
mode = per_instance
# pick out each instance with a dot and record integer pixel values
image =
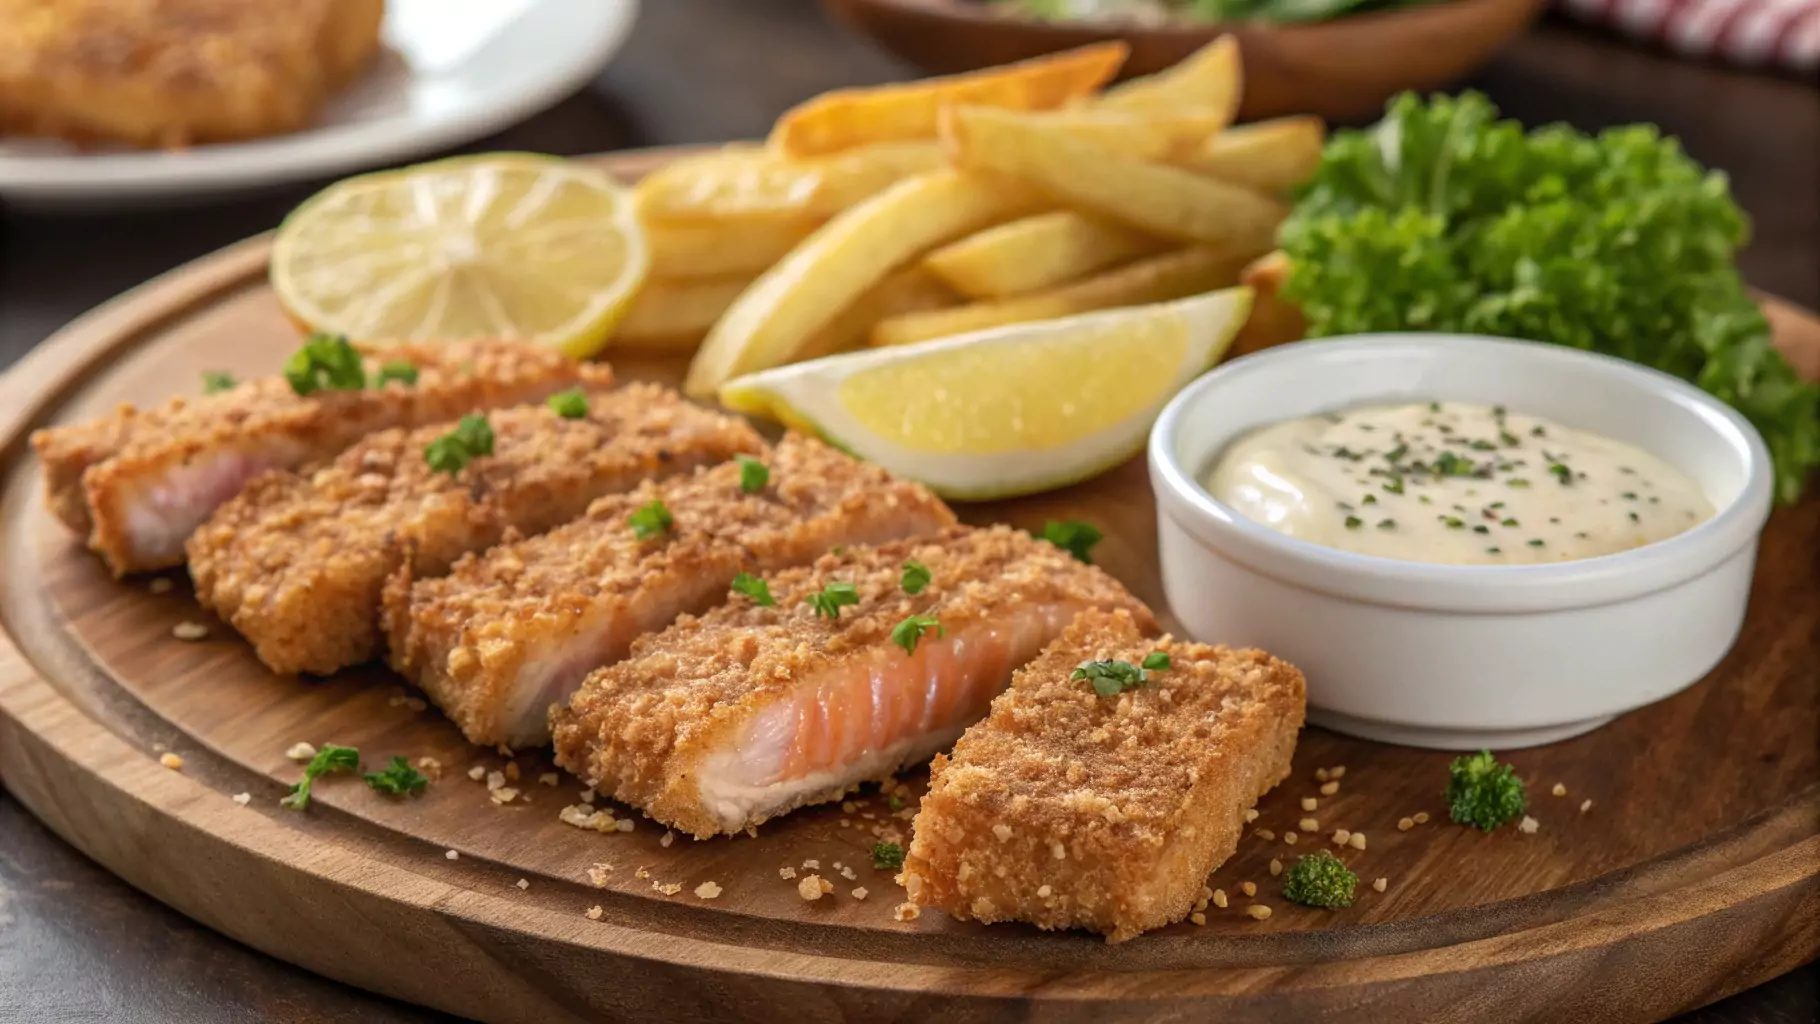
(1753, 33)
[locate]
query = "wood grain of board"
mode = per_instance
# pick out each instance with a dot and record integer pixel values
(1694, 873)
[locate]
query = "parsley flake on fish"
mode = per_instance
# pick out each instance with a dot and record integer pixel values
(397, 370)
(214, 382)
(651, 520)
(753, 587)
(753, 474)
(916, 577)
(906, 633)
(570, 405)
(1110, 678)
(828, 601)
(1073, 536)
(471, 438)
(1156, 661)
(325, 362)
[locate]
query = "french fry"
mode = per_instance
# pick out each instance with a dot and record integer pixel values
(846, 118)
(752, 181)
(1269, 156)
(1157, 198)
(1273, 320)
(1210, 77)
(742, 246)
(1140, 135)
(910, 290)
(1037, 252)
(673, 316)
(771, 322)
(1171, 275)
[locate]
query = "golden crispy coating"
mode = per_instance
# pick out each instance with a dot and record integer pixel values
(138, 482)
(175, 72)
(1071, 810)
(508, 633)
(644, 729)
(297, 561)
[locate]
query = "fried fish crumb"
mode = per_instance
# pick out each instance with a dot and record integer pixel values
(496, 780)
(243, 798)
(1330, 788)
(1267, 835)
(1290, 838)
(1219, 898)
(1405, 824)
(587, 796)
(161, 585)
(860, 893)
(708, 890)
(1338, 771)
(667, 888)
(1251, 815)
(907, 912)
(1198, 918)
(171, 761)
(1309, 824)
(1559, 790)
(1320, 775)
(1276, 867)
(478, 773)
(1528, 825)
(1258, 912)
(786, 872)
(1381, 884)
(597, 875)
(1421, 818)
(595, 913)
(641, 873)
(512, 770)
(524, 883)
(300, 752)
(548, 779)
(190, 631)
(669, 837)
(504, 795)
(1357, 841)
(847, 873)
(1587, 806)
(1248, 888)
(812, 887)
(451, 854)
(1341, 836)
(1309, 803)
(812, 865)
(430, 767)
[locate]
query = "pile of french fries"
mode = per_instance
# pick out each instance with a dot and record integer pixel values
(903, 213)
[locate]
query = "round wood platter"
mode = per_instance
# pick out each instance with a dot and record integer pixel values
(1694, 872)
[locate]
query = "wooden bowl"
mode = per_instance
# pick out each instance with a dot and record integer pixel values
(1342, 69)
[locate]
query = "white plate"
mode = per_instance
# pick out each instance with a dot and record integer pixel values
(451, 71)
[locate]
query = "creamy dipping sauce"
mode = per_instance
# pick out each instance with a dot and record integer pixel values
(1454, 483)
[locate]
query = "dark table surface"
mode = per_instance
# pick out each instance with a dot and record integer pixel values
(78, 945)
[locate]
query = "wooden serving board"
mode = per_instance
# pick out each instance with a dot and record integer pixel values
(1694, 873)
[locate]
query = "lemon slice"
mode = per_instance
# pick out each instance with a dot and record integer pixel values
(498, 245)
(1009, 410)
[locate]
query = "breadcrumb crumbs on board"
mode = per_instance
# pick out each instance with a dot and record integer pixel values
(524, 883)
(1341, 836)
(860, 893)
(1320, 775)
(812, 865)
(587, 796)
(1587, 806)
(1276, 867)
(478, 773)
(1251, 815)
(1421, 818)
(1219, 899)
(1405, 824)
(1267, 835)
(906, 912)
(1290, 838)
(669, 837)
(243, 798)
(708, 890)
(786, 872)
(1197, 918)
(1559, 790)
(1357, 841)
(451, 854)
(667, 888)
(190, 631)
(1310, 803)
(1338, 771)
(1309, 824)
(1528, 825)
(548, 779)
(1381, 884)
(813, 887)
(641, 873)
(597, 875)
(1258, 912)
(161, 585)
(430, 767)
(1248, 888)
(1330, 788)
(512, 770)
(504, 795)
(300, 752)
(847, 873)
(171, 761)
(595, 913)
(496, 780)
(159, 748)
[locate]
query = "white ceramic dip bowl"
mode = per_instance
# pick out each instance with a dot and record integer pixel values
(1449, 656)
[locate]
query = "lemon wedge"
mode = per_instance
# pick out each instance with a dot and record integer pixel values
(499, 245)
(1008, 410)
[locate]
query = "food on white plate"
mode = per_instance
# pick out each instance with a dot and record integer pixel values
(297, 561)
(1454, 483)
(1444, 218)
(1037, 253)
(845, 118)
(506, 634)
(1171, 275)
(748, 182)
(771, 322)
(1106, 783)
(814, 680)
(1008, 410)
(1157, 198)
(176, 73)
(1268, 156)
(495, 245)
(137, 482)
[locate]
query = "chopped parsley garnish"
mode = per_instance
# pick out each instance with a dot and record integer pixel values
(1387, 524)
(753, 474)
(1535, 542)
(330, 758)
(1156, 661)
(1494, 551)
(214, 382)
(1354, 522)
(1073, 536)
(397, 370)
(887, 856)
(906, 633)
(1629, 495)
(1395, 486)
(1481, 528)
(828, 601)
(1634, 518)
(326, 361)
(398, 779)
(1483, 793)
(754, 588)
(1396, 453)
(1516, 481)
(1320, 880)
(1110, 678)
(471, 438)
(570, 405)
(1369, 499)
(651, 520)
(1453, 522)
(1434, 407)
(1509, 522)
(1537, 431)
(916, 577)
(895, 802)
(1449, 464)
(1561, 472)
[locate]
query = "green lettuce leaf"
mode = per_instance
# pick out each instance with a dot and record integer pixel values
(1444, 218)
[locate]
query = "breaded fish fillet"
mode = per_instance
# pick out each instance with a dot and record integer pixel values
(298, 561)
(750, 711)
(509, 633)
(176, 72)
(137, 482)
(1072, 810)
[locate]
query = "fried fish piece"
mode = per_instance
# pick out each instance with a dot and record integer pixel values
(172, 73)
(1068, 809)
(507, 634)
(298, 561)
(752, 710)
(137, 482)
